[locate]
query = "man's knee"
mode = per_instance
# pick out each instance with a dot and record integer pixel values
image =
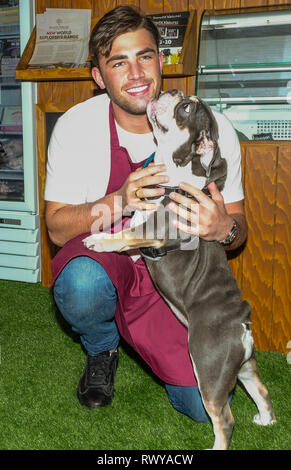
(82, 282)
(81, 272)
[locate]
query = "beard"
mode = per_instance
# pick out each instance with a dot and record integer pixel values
(130, 108)
(133, 105)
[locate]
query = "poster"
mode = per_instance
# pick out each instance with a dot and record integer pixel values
(172, 28)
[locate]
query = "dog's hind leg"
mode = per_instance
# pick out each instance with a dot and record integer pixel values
(249, 377)
(222, 421)
(214, 392)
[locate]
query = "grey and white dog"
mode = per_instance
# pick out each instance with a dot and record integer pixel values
(197, 284)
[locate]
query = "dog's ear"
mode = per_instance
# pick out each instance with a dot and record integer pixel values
(205, 134)
(193, 114)
(207, 117)
(205, 148)
(183, 113)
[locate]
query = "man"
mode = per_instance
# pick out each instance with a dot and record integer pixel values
(94, 172)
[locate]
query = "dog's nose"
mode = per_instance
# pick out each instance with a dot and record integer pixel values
(173, 92)
(176, 93)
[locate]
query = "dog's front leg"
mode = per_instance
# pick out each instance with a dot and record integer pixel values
(121, 241)
(143, 232)
(105, 242)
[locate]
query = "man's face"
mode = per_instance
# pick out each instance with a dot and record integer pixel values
(132, 72)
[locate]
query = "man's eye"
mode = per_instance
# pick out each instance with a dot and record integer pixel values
(146, 57)
(118, 64)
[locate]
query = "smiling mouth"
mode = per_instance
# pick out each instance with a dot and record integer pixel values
(138, 89)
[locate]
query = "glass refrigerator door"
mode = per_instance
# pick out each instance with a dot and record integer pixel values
(17, 167)
(20, 257)
(244, 71)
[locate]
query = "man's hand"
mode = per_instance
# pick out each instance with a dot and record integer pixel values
(208, 217)
(136, 187)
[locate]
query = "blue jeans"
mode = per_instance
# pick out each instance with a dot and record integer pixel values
(87, 299)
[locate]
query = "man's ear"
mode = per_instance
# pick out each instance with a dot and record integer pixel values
(97, 77)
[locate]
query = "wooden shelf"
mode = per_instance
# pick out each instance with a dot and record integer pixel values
(22, 71)
(185, 67)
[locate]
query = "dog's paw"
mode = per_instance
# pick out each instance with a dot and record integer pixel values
(99, 242)
(265, 420)
(92, 242)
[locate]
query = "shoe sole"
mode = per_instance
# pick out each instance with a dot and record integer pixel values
(92, 406)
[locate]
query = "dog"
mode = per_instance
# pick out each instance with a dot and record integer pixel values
(197, 283)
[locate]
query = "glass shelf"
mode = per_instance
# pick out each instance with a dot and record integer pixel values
(244, 70)
(251, 87)
(241, 38)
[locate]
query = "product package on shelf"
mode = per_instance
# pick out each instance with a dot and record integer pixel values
(62, 38)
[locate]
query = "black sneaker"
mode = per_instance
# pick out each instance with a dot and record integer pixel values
(96, 385)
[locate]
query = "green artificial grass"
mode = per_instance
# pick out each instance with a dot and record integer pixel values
(41, 363)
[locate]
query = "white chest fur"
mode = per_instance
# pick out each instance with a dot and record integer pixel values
(177, 174)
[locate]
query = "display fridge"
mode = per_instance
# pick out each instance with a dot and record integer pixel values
(244, 71)
(19, 215)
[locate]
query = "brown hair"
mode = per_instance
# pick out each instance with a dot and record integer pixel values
(120, 20)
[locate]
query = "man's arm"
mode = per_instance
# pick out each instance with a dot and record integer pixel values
(66, 221)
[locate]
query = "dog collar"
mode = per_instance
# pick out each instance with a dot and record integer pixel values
(176, 189)
(155, 254)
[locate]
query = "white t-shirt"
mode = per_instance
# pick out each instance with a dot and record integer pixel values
(78, 167)
(138, 146)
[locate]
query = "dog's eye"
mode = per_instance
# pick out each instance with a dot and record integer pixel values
(187, 108)
(183, 111)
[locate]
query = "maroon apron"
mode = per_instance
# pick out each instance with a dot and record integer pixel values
(143, 318)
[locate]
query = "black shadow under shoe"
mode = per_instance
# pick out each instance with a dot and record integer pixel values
(96, 387)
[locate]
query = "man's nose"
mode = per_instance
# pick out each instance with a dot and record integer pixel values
(135, 71)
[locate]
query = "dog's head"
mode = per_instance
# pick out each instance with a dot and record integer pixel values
(186, 127)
